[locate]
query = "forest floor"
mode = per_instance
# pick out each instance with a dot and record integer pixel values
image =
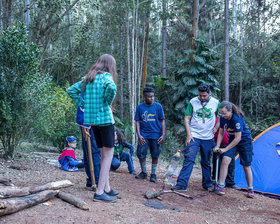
(234, 207)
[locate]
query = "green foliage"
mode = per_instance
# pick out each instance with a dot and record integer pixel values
(18, 65)
(190, 74)
(57, 120)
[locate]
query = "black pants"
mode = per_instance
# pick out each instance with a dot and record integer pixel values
(231, 169)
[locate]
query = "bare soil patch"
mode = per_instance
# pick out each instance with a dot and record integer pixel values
(234, 207)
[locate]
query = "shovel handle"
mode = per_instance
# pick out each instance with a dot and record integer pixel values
(91, 164)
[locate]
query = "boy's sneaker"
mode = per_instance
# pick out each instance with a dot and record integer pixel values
(141, 175)
(220, 190)
(104, 197)
(250, 193)
(178, 188)
(210, 189)
(233, 187)
(132, 172)
(153, 178)
(112, 193)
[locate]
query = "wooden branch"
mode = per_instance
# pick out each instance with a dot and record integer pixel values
(8, 192)
(10, 206)
(51, 186)
(6, 181)
(73, 200)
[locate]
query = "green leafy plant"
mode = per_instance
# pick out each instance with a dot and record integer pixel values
(18, 65)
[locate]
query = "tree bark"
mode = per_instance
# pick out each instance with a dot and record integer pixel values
(7, 13)
(8, 192)
(6, 181)
(10, 206)
(70, 74)
(194, 24)
(242, 55)
(163, 69)
(121, 75)
(73, 200)
(27, 13)
(50, 186)
(146, 52)
(226, 51)
(234, 19)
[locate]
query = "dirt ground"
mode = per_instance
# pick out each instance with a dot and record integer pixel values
(234, 207)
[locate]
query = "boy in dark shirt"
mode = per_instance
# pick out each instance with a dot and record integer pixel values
(150, 127)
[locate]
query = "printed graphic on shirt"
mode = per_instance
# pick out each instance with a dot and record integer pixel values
(148, 117)
(237, 126)
(199, 112)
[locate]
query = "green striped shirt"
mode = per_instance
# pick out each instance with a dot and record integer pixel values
(98, 97)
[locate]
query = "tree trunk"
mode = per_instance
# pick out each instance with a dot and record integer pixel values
(242, 55)
(121, 75)
(194, 24)
(73, 200)
(10, 206)
(234, 19)
(129, 71)
(27, 13)
(1, 16)
(7, 13)
(164, 39)
(70, 74)
(146, 52)
(226, 53)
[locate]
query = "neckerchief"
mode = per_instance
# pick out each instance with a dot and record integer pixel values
(203, 104)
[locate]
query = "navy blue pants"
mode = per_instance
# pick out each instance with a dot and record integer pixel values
(124, 156)
(190, 153)
(96, 157)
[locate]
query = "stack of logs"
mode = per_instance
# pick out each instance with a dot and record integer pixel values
(13, 199)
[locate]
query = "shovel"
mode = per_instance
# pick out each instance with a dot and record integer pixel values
(91, 164)
(216, 174)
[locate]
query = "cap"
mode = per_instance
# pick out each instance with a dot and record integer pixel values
(69, 139)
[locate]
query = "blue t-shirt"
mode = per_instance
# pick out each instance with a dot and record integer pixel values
(235, 124)
(149, 117)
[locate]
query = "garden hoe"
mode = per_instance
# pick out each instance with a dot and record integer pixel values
(91, 164)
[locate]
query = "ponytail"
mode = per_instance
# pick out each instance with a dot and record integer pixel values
(231, 106)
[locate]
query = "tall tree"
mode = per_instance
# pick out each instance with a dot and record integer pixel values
(226, 51)
(164, 38)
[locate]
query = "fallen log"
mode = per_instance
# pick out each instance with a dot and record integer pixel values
(10, 206)
(8, 191)
(51, 186)
(6, 181)
(12, 191)
(73, 200)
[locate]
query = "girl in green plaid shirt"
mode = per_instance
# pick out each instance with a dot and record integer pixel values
(99, 90)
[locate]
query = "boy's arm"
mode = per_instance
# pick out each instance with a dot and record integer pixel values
(130, 147)
(161, 138)
(140, 137)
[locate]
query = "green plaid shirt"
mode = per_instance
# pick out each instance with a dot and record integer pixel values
(98, 97)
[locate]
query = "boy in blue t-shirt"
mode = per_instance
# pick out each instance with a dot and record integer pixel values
(150, 127)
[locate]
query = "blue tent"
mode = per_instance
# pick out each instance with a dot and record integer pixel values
(266, 163)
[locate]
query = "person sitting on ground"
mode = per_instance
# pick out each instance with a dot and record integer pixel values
(67, 159)
(230, 176)
(239, 141)
(120, 155)
(150, 127)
